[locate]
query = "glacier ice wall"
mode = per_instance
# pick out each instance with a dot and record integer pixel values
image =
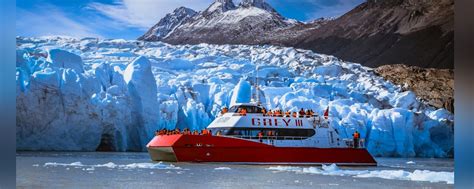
(88, 94)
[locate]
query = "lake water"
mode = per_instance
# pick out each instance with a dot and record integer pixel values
(136, 170)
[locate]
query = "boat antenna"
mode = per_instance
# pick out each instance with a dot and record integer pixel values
(256, 88)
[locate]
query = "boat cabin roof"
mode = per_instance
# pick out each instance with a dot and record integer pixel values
(251, 108)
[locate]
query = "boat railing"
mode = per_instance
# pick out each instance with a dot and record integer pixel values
(350, 142)
(261, 114)
(269, 137)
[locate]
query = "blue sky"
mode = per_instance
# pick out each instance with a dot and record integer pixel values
(128, 19)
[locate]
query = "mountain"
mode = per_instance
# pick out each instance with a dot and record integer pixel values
(417, 33)
(168, 24)
(225, 23)
(433, 86)
(410, 32)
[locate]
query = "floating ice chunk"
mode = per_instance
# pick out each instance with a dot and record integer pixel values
(222, 168)
(410, 162)
(417, 175)
(74, 164)
(148, 166)
(332, 167)
(111, 165)
(108, 165)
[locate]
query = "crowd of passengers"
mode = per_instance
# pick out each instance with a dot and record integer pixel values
(275, 113)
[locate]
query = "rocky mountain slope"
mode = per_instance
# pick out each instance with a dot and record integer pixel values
(409, 32)
(168, 23)
(434, 86)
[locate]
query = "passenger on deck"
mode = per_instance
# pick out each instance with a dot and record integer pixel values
(224, 110)
(277, 113)
(243, 112)
(218, 133)
(270, 113)
(356, 137)
(287, 114)
(270, 136)
(195, 132)
(308, 113)
(294, 114)
(260, 136)
(301, 112)
(264, 111)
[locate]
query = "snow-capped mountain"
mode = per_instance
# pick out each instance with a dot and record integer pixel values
(219, 6)
(168, 23)
(223, 22)
(257, 3)
(79, 94)
(375, 33)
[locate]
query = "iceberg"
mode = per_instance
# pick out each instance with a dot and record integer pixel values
(93, 94)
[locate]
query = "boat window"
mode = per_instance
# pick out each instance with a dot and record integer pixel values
(275, 133)
(250, 109)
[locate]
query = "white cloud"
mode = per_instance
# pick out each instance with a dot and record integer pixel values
(50, 21)
(145, 13)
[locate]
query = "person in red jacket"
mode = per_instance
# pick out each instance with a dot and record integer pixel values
(326, 113)
(260, 136)
(356, 137)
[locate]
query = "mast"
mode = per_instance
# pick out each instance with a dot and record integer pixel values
(256, 88)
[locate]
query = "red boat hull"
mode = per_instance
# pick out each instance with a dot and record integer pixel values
(199, 148)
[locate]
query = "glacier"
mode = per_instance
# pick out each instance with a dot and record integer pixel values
(79, 94)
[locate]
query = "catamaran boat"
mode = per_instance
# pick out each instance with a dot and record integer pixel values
(255, 138)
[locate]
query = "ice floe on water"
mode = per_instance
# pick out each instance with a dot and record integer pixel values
(222, 168)
(159, 165)
(334, 170)
(74, 94)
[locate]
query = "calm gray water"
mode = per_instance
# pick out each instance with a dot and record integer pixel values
(136, 170)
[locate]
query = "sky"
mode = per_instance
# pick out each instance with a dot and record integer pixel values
(129, 19)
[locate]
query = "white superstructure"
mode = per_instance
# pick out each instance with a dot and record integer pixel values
(300, 131)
